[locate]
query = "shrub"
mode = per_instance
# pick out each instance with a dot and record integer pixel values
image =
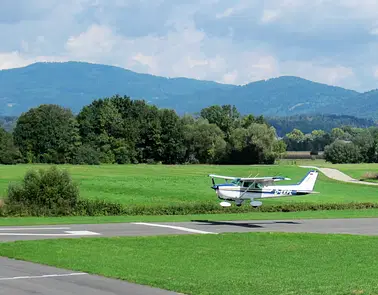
(50, 190)
(340, 152)
(370, 176)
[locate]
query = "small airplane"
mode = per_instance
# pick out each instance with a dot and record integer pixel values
(240, 189)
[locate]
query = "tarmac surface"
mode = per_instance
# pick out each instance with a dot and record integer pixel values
(24, 278)
(366, 226)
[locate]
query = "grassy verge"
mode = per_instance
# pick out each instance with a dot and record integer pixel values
(14, 221)
(161, 185)
(267, 263)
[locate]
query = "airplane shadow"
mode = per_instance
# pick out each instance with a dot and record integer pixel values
(243, 224)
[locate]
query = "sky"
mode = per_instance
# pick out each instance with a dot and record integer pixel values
(228, 41)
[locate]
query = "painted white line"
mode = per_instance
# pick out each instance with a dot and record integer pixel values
(66, 234)
(82, 233)
(32, 228)
(30, 234)
(44, 276)
(176, 227)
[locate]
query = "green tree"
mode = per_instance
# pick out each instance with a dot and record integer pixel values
(172, 137)
(279, 148)
(205, 142)
(226, 117)
(9, 153)
(253, 145)
(340, 152)
(48, 133)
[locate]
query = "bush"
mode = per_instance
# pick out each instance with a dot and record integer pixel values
(50, 191)
(341, 152)
(370, 176)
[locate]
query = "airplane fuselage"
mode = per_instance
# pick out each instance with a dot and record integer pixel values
(230, 192)
(249, 189)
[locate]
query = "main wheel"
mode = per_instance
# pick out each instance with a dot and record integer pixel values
(256, 204)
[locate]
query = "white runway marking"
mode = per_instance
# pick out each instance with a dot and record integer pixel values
(32, 228)
(43, 276)
(66, 234)
(176, 227)
(82, 233)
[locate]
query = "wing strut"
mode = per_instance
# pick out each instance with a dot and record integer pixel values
(248, 187)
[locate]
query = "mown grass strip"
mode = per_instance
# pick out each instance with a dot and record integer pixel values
(243, 263)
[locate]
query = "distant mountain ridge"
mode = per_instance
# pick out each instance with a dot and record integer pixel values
(75, 84)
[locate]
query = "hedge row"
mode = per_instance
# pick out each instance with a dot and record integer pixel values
(103, 208)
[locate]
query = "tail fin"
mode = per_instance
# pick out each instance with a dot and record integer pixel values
(308, 182)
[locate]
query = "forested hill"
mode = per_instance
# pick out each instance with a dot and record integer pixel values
(75, 84)
(365, 105)
(308, 123)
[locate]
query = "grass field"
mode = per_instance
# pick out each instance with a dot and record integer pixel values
(356, 171)
(160, 184)
(243, 263)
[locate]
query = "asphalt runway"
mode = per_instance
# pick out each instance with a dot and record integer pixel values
(23, 278)
(366, 226)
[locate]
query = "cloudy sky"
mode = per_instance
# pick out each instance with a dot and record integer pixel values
(230, 41)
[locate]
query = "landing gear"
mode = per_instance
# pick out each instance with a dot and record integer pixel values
(239, 202)
(256, 204)
(225, 204)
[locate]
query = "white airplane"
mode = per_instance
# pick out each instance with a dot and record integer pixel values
(241, 189)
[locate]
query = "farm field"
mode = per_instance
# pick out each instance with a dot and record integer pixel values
(167, 185)
(279, 263)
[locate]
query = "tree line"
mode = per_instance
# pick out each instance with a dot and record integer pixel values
(121, 130)
(343, 144)
(309, 122)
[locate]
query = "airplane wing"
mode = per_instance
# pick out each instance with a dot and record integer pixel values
(259, 179)
(223, 177)
(265, 179)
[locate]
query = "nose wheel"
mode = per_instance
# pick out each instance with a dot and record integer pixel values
(239, 202)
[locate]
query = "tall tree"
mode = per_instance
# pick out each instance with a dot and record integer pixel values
(205, 142)
(172, 137)
(48, 133)
(253, 145)
(9, 153)
(226, 117)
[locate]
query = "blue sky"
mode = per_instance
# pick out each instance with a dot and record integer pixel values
(229, 41)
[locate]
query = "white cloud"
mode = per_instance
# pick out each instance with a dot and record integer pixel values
(269, 15)
(230, 77)
(97, 40)
(376, 72)
(334, 75)
(322, 40)
(14, 59)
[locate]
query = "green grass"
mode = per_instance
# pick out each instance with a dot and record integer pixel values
(243, 263)
(19, 221)
(356, 171)
(163, 184)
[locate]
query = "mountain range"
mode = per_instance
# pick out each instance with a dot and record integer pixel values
(75, 84)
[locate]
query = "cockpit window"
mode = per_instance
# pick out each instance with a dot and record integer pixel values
(255, 185)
